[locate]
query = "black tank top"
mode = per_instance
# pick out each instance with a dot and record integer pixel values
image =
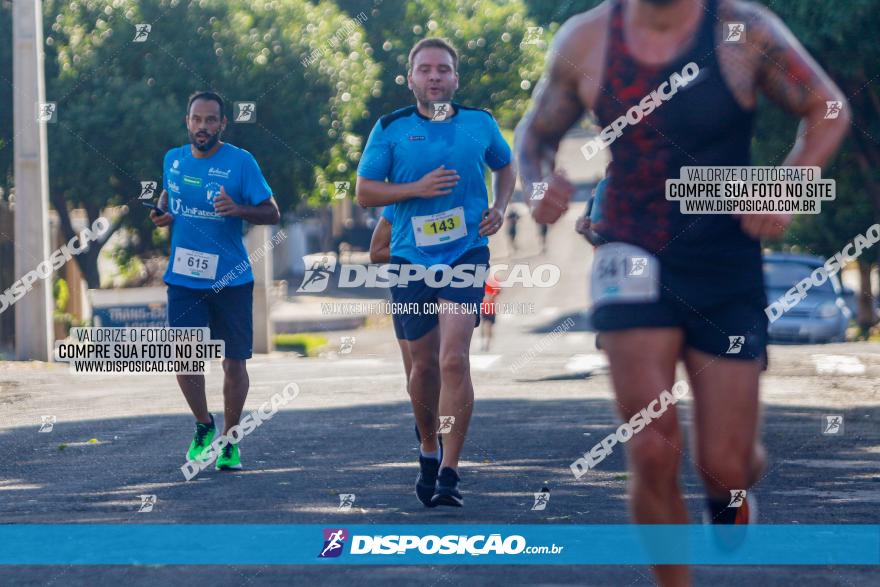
(702, 124)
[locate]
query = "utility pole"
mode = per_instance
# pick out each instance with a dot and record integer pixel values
(258, 238)
(33, 312)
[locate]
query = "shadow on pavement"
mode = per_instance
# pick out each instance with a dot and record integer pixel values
(298, 462)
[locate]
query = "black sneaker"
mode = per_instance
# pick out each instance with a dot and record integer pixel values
(447, 489)
(426, 482)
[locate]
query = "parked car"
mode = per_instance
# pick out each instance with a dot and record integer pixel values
(822, 316)
(852, 302)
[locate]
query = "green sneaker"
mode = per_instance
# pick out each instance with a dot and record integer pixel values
(229, 458)
(201, 442)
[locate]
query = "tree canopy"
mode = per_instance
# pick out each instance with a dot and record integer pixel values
(321, 73)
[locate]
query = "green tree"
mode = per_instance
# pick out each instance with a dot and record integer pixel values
(839, 40)
(311, 70)
(121, 103)
(547, 13)
(497, 72)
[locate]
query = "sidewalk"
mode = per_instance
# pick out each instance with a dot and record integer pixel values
(315, 314)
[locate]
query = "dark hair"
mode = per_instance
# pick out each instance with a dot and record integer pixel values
(205, 96)
(434, 42)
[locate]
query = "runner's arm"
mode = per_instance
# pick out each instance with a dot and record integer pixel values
(165, 219)
(793, 80)
(376, 165)
(503, 183)
(555, 109)
(380, 243)
(258, 207)
(266, 212)
(372, 193)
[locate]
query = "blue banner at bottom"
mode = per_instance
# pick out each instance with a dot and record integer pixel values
(437, 544)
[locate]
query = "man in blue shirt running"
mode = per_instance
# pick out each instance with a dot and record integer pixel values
(433, 156)
(209, 188)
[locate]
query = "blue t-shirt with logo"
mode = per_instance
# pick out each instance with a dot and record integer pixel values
(198, 233)
(404, 146)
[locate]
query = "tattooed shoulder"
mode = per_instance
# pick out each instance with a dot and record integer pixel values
(781, 67)
(739, 59)
(573, 68)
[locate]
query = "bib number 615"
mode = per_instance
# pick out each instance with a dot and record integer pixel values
(194, 263)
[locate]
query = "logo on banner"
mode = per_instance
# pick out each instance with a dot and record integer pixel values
(334, 540)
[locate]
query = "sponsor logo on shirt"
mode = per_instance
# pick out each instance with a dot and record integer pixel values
(216, 172)
(190, 180)
(416, 137)
(212, 190)
(178, 208)
(172, 185)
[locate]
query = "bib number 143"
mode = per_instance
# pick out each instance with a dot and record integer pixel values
(440, 228)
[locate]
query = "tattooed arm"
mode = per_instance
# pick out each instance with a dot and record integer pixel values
(555, 110)
(774, 62)
(556, 107)
(793, 80)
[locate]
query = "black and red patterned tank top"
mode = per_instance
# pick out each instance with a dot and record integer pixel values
(701, 124)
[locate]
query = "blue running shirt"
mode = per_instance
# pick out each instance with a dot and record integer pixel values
(205, 246)
(404, 146)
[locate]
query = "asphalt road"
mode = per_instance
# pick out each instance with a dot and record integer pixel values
(350, 431)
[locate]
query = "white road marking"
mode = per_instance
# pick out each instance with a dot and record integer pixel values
(576, 338)
(483, 362)
(838, 364)
(831, 464)
(358, 362)
(586, 363)
(834, 497)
